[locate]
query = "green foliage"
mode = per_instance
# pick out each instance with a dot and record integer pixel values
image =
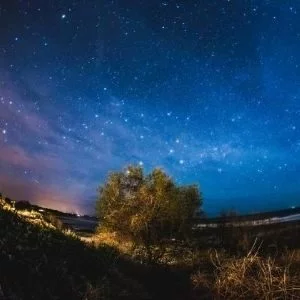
(146, 208)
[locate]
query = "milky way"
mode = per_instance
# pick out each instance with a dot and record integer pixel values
(208, 90)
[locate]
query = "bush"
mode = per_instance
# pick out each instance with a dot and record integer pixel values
(22, 205)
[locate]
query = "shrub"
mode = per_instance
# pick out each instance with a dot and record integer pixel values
(22, 205)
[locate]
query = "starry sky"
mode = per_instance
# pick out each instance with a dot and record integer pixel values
(208, 90)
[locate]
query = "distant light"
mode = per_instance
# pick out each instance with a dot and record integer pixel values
(4, 131)
(63, 16)
(181, 161)
(41, 210)
(78, 215)
(141, 163)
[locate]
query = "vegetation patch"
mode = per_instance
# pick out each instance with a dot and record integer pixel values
(39, 261)
(251, 277)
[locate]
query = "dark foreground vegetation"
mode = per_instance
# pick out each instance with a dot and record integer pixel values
(40, 261)
(156, 254)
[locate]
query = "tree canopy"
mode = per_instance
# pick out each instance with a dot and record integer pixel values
(146, 208)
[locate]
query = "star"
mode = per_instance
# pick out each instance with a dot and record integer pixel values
(110, 85)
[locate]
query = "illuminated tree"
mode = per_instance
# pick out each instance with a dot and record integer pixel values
(148, 209)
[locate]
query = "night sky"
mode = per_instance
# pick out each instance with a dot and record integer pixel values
(208, 90)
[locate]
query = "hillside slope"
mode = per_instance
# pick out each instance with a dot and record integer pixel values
(39, 261)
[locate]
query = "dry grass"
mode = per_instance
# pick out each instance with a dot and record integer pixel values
(30, 216)
(171, 254)
(36, 218)
(252, 277)
(112, 239)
